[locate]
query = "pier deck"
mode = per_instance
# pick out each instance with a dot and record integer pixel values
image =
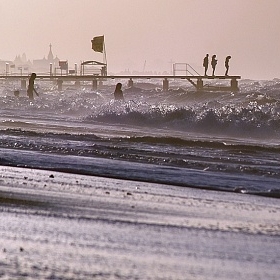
(196, 81)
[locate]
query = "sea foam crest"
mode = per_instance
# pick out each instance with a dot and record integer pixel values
(251, 120)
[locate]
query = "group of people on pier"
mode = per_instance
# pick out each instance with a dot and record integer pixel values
(214, 62)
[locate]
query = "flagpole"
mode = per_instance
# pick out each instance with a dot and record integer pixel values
(105, 57)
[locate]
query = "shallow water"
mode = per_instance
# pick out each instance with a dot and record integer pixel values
(214, 140)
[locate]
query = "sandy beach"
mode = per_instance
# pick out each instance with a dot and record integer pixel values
(66, 226)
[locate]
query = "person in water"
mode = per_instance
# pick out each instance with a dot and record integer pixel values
(118, 93)
(214, 62)
(31, 86)
(227, 64)
(205, 64)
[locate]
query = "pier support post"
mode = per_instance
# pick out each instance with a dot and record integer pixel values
(165, 84)
(130, 83)
(59, 84)
(51, 71)
(234, 84)
(94, 84)
(23, 84)
(199, 84)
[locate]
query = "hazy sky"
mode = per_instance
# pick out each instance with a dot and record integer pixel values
(155, 31)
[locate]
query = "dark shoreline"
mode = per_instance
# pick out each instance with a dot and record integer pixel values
(149, 179)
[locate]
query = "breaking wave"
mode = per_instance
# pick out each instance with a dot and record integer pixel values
(260, 121)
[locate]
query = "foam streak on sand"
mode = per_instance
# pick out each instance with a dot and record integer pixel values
(65, 226)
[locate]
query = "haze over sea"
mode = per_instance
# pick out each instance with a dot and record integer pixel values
(226, 141)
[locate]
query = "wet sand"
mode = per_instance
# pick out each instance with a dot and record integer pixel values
(66, 226)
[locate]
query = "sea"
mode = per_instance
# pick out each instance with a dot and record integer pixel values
(213, 139)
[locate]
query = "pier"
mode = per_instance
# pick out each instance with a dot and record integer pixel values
(199, 82)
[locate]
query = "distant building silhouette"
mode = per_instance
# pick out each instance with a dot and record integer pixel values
(5, 66)
(22, 65)
(43, 65)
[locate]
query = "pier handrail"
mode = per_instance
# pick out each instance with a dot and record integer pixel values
(187, 66)
(193, 70)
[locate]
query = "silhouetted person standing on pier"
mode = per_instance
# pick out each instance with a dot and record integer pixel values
(205, 64)
(31, 86)
(214, 62)
(227, 64)
(118, 93)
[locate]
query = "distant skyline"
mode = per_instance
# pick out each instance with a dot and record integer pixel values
(147, 34)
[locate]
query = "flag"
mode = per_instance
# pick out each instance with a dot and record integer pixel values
(13, 66)
(98, 43)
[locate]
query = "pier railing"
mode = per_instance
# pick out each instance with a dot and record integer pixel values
(186, 68)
